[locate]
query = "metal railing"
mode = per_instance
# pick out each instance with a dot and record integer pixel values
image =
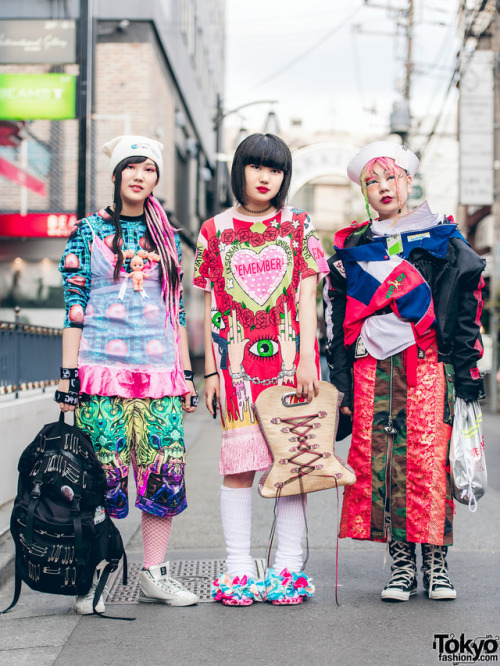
(30, 356)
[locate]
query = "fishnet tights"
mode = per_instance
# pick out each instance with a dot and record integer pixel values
(155, 536)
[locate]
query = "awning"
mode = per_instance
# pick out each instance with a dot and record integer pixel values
(16, 174)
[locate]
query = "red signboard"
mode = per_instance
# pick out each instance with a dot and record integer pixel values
(37, 225)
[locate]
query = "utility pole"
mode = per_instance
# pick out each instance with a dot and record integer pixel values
(400, 118)
(85, 56)
(219, 117)
(409, 48)
(220, 114)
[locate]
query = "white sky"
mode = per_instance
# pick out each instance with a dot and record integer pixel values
(349, 82)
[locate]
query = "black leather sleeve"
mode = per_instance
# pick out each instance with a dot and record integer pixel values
(467, 343)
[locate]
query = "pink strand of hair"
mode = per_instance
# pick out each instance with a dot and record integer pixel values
(167, 249)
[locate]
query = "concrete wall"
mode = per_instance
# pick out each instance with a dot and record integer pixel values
(20, 421)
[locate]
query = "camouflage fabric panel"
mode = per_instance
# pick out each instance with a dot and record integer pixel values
(414, 457)
(383, 446)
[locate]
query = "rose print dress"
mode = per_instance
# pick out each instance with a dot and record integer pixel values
(253, 267)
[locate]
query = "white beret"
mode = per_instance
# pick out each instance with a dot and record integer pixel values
(122, 147)
(403, 157)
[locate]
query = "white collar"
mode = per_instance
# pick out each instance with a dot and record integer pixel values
(416, 220)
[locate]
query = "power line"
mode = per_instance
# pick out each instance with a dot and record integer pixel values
(439, 57)
(458, 69)
(440, 113)
(357, 68)
(309, 50)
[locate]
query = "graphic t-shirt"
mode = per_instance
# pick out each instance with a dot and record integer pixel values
(129, 346)
(253, 268)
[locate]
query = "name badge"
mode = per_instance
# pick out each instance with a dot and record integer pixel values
(394, 244)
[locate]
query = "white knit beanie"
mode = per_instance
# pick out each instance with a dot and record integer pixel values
(122, 147)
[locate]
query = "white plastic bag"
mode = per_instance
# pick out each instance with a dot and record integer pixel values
(467, 460)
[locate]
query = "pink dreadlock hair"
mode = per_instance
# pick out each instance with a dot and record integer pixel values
(389, 166)
(163, 236)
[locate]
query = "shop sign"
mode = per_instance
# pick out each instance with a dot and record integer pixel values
(476, 129)
(37, 96)
(37, 225)
(41, 41)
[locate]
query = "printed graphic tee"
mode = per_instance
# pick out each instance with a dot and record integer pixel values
(253, 268)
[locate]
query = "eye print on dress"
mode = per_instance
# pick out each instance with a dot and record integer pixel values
(265, 348)
(218, 320)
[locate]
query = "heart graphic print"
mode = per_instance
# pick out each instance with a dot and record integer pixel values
(259, 274)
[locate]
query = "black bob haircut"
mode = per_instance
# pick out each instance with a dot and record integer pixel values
(265, 150)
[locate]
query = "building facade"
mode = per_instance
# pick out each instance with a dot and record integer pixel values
(158, 70)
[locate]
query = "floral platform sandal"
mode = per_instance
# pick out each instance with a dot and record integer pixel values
(287, 588)
(237, 592)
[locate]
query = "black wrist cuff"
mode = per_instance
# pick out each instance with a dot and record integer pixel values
(66, 398)
(189, 375)
(69, 373)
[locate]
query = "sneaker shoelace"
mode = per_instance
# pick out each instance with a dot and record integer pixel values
(170, 584)
(402, 576)
(403, 569)
(438, 574)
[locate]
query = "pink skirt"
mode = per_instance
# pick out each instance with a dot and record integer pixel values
(244, 450)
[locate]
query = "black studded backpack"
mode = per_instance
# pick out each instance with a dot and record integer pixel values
(59, 526)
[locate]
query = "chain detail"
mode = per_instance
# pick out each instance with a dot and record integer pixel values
(242, 376)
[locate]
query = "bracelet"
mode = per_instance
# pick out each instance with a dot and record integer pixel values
(189, 375)
(210, 374)
(69, 398)
(74, 384)
(238, 375)
(288, 373)
(69, 373)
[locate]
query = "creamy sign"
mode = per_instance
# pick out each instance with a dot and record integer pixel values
(37, 41)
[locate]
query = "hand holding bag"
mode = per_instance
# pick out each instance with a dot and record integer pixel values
(467, 459)
(301, 438)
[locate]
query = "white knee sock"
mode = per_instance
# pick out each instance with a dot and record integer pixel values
(236, 515)
(290, 525)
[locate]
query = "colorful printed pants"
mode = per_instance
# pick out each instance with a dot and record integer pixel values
(150, 434)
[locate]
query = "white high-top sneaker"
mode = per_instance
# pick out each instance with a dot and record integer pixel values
(83, 605)
(157, 586)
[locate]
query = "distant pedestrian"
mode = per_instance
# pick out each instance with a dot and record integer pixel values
(402, 309)
(126, 366)
(259, 264)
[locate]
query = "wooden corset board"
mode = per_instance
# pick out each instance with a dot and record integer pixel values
(301, 438)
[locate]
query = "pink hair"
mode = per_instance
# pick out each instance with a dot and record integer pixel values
(389, 166)
(164, 239)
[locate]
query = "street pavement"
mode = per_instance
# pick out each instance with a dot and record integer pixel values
(43, 629)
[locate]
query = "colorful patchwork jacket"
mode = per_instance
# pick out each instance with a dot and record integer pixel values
(444, 292)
